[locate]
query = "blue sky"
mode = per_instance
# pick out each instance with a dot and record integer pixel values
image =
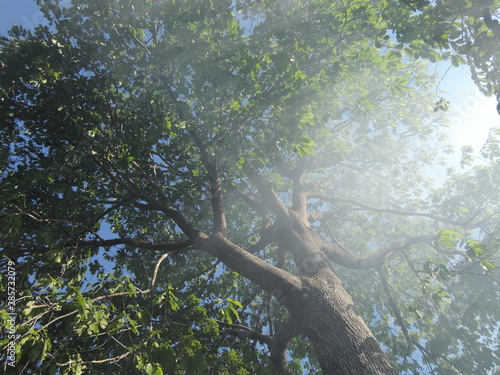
(21, 12)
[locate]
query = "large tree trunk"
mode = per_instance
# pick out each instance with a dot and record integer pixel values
(343, 343)
(321, 306)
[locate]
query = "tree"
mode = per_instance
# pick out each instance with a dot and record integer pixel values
(236, 188)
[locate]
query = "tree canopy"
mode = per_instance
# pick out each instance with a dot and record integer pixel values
(239, 187)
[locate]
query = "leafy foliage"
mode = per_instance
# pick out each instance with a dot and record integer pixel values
(126, 121)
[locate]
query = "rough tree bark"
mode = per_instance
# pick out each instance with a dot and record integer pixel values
(316, 300)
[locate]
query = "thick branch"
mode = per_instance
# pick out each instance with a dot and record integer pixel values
(267, 193)
(285, 332)
(350, 261)
(167, 247)
(245, 332)
(299, 194)
(272, 279)
(266, 237)
(347, 259)
(182, 222)
(220, 225)
(160, 246)
(161, 205)
(363, 206)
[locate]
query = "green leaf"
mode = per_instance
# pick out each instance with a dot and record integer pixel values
(240, 162)
(236, 303)
(488, 265)
(131, 289)
(172, 300)
(153, 369)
